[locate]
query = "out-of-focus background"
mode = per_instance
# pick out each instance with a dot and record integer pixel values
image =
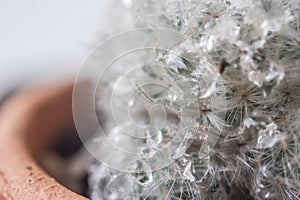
(50, 37)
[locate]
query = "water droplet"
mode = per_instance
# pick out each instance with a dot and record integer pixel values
(175, 62)
(148, 153)
(131, 102)
(267, 195)
(187, 172)
(209, 91)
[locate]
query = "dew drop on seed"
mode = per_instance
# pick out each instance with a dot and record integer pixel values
(131, 102)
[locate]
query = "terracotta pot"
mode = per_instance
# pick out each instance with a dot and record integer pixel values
(30, 122)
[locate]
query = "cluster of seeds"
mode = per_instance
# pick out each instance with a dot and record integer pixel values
(233, 102)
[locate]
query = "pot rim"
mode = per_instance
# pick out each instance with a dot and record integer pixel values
(30, 121)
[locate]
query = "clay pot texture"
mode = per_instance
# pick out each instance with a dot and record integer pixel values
(30, 122)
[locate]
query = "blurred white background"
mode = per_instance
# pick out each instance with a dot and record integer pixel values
(48, 37)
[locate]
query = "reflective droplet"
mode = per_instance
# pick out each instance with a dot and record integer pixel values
(131, 102)
(187, 172)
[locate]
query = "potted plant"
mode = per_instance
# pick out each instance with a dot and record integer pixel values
(30, 122)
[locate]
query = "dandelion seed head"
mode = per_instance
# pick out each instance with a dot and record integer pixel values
(232, 99)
